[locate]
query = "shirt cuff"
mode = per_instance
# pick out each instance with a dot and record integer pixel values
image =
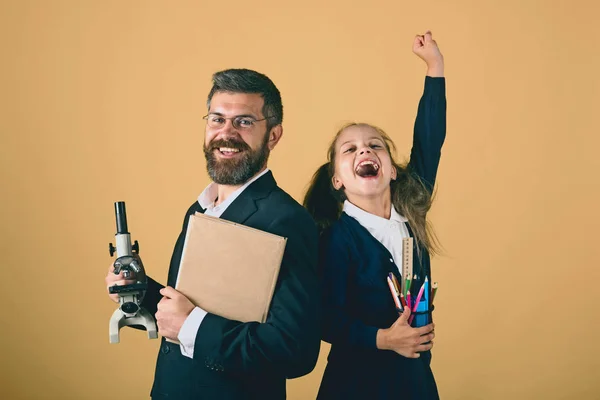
(189, 330)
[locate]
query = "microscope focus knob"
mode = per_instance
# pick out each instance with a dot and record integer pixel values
(135, 247)
(112, 249)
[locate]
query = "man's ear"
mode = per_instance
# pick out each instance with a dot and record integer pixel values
(274, 135)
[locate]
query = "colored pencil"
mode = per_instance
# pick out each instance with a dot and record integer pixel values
(406, 285)
(434, 291)
(393, 292)
(395, 282)
(413, 282)
(397, 286)
(419, 295)
(427, 294)
(402, 301)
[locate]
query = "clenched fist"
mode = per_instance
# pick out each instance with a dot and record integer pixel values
(427, 49)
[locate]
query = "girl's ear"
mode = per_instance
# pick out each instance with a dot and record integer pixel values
(337, 184)
(394, 174)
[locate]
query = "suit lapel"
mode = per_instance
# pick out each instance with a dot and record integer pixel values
(244, 206)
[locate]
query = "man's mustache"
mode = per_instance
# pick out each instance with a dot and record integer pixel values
(230, 143)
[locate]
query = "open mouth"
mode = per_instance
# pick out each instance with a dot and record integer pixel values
(228, 151)
(367, 169)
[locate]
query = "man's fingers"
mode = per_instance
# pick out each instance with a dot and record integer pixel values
(111, 277)
(122, 282)
(115, 277)
(161, 306)
(169, 292)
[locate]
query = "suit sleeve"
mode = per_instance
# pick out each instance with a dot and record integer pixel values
(429, 131)
(288, 342)
(339, 326)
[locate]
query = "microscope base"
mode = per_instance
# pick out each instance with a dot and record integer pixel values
(119, 320)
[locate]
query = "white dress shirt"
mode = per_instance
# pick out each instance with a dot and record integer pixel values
(389, 232)
(207, 199)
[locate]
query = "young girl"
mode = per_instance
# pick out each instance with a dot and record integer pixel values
(366, 203)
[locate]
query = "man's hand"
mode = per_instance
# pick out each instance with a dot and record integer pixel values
(119, 280)
(173, 310)
(427, 49)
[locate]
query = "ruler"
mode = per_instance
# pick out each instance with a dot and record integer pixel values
(407, 262)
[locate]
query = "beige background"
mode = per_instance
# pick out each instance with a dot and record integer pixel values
(101, 101)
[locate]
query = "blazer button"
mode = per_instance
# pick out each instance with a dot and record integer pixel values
(166, 349)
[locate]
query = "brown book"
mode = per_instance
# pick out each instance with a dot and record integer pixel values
(229, 269)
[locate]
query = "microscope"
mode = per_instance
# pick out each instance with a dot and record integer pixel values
(130, 296)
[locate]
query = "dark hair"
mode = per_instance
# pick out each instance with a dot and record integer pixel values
(410, 196)
(248, 81)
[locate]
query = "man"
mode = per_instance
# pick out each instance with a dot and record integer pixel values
(220, 358)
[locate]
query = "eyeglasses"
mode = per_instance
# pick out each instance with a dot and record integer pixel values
(239, 122)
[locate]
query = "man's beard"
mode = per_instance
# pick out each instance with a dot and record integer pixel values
(238, 170)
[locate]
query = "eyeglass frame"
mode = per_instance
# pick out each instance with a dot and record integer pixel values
(233, 120)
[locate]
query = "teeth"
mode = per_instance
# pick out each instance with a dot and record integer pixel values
(228, 150)
(368, 162)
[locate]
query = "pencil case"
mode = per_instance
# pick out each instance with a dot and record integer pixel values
(421, 318)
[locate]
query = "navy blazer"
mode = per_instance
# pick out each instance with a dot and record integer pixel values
(234, 360)
(356, 298)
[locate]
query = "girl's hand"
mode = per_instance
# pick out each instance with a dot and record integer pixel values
(404, 339)
(427, 49)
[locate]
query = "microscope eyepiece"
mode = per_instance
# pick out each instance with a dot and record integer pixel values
(121, 216)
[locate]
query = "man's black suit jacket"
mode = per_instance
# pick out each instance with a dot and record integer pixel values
(234, 360)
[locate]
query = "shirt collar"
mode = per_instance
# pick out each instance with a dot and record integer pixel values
(209, 195)
(371, 221)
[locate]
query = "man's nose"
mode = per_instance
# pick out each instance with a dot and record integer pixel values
(227, 134)
(228, 126)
